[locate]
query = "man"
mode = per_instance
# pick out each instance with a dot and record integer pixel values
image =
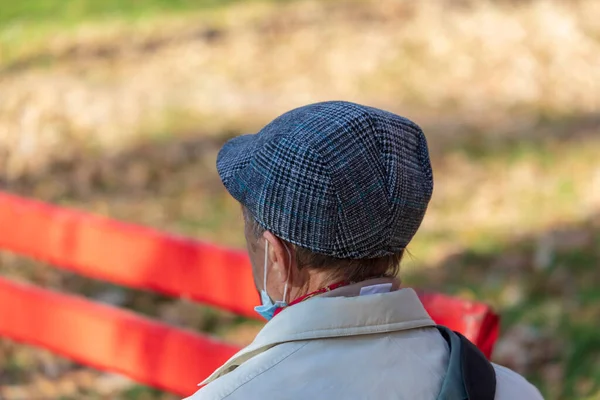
(332, 193)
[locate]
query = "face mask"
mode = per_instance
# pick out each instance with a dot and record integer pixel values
(268, 308)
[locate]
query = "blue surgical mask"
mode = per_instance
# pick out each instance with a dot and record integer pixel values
(267, 308)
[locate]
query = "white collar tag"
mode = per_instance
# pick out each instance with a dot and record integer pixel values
(375, 289)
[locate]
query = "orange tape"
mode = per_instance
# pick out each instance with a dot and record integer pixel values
(108, 338)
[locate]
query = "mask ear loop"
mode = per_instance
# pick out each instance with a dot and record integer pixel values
(285, 288)
(265, 267)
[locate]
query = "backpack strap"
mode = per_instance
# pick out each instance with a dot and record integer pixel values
(470, 376)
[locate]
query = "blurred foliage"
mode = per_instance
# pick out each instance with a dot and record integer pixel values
(77, 11)
(120, 107)
(545, 288)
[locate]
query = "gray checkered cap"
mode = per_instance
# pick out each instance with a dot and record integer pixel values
(338, 178)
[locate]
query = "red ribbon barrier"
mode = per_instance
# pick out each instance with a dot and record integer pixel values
(108, 338)
(128, 254)
(476, 321)
(149, 352)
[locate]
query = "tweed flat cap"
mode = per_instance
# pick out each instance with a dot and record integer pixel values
(338, 178)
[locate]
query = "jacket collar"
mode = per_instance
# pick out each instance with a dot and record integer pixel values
(328, 317)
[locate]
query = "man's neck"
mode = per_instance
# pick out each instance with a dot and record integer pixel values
(317, 283)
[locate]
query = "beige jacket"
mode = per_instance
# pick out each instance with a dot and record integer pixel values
(375, 346)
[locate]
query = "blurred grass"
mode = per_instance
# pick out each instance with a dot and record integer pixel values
(544, 286)
(119, 108)
(26, 25)
(78, 11)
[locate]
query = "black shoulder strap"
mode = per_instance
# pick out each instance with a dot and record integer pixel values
(470, 376)
(478, 373)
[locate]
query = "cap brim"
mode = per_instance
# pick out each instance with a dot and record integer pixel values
(234, 156)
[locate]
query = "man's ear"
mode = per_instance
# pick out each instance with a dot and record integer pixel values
(279, 257)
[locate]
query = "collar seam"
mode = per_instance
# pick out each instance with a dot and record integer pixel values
(414, 324)
(357, 331)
